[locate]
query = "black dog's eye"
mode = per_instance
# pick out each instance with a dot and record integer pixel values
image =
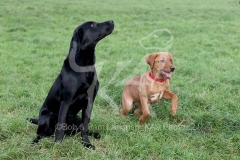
(162, 60)
(92, 24)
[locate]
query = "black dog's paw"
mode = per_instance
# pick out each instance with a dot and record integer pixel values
(88, 145)
(95, 135)
(35, 141)
(58, 140)
(59, 135)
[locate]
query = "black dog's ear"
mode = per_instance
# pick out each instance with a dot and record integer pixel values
(82, 39)
(80, 34)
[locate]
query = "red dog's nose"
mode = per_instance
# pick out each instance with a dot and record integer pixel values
(172, 68)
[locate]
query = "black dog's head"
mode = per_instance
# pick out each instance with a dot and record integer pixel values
(89, 33)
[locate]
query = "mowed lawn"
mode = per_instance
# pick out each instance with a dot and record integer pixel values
(203, 37)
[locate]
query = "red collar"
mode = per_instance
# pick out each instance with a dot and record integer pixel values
(155, 79)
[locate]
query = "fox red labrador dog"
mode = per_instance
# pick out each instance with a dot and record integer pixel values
(150, 87)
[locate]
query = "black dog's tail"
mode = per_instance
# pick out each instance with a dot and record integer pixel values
(32, 120)
(94, 135)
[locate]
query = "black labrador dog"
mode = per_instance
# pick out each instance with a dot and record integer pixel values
(75, 87)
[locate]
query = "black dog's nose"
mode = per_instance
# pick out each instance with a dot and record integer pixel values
(172, 68)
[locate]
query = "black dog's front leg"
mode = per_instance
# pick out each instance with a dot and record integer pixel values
(86, 114)
(61, 125)
(86, 119)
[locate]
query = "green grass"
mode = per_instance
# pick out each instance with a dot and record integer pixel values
(202, 36)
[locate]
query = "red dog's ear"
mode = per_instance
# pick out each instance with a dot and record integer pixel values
(150, 58)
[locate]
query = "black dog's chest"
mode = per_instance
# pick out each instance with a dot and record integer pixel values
(84, 81)
(81, 91)
(83, 94)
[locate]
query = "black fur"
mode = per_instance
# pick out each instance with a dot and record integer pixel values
(75, 87)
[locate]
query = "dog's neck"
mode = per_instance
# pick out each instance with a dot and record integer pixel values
(85, 58)
(82, 57)
(156, 76)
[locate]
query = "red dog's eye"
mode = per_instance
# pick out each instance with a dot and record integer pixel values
(162, 60)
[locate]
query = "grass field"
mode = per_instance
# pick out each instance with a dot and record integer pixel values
(204, 38)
